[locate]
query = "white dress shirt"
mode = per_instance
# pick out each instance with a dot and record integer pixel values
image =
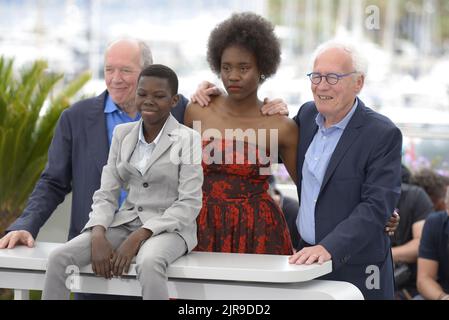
(143, 150)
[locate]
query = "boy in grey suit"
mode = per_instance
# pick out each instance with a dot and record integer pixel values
(158, 161)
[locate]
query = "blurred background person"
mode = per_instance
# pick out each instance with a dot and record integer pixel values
(433, 261)
(289, 207)
(414, 206)
(434, 184)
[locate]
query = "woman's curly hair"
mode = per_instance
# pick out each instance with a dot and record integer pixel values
(252, 32)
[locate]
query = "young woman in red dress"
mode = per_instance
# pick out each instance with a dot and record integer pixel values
(240, 143)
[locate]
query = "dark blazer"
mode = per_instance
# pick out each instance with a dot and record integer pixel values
(76, 157)
(360, 189)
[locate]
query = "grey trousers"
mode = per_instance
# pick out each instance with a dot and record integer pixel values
(152, 260)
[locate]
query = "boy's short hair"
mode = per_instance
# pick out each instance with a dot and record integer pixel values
(164, 72)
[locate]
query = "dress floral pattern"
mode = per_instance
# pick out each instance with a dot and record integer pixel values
(238, 215)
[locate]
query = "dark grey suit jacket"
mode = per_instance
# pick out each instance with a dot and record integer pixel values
(359, 192)
(76, 157)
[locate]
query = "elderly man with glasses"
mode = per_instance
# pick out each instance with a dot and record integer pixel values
(349, 175)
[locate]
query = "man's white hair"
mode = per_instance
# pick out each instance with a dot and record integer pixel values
(146, 57)
(359, 62)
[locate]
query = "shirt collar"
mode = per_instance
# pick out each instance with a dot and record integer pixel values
(158, 137)
(343, 123)
(110, 105)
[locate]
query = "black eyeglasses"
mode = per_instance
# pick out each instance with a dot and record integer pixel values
(331, 78)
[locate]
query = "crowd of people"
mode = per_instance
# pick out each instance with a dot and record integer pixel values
(155, 176)
(423, 194)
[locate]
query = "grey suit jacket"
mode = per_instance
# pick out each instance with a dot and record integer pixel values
(76, 157)
(167, 197)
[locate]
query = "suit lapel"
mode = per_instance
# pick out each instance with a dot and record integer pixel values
(164, 143)
(128, 145)
(349, 135)
(308, 129)
(98, 146)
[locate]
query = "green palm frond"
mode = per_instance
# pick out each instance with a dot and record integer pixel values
(6, 71)
(43, 132)
(31, 78)
(29, 110)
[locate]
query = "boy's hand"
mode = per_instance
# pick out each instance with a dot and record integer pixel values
(101, 253)
(124, 255)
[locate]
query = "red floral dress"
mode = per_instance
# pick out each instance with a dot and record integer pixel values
(238, 215)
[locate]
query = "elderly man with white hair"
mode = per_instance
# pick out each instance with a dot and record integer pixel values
(349, 175)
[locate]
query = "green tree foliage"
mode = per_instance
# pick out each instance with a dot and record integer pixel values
(26, 133)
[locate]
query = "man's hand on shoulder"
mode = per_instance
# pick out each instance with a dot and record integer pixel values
(276, 106)
(203, 93)
(393, 223)
(18, 237)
